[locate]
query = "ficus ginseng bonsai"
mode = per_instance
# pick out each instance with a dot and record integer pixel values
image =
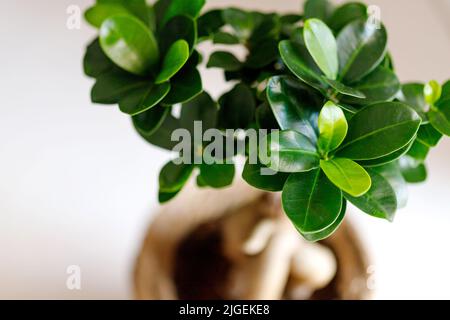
(342, 126)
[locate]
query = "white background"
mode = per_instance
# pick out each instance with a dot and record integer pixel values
(77, 185)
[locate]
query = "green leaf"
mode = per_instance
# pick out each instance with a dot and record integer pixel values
(380, 201)
(311, 201)
(291, 151)
(392, 173)
(112, 86)
(224, 60)
(387, 159)
(179, 27)
(217, 175)
(144, 98)
(173, 177)
(379, 130)
(418, 151)
(322, 46)
(138, 8)
(428, 135)
(321, 235)
(210, 23)
(242, 22)
(440, 117)
(222, 37)
(432, 92)
(299, 61)
(175, 59)
(265, 53)
(95, 62)
(345, 14)
(294, 106)
(320, 9)
(345, 90)
(268, 28)
(129, 44)
(100, 12)
(446, 90)
(189, 8)
(412, 171)
(162, 136)
(361, 48)
(347, 175)
(237, 108)
(166, 197)
(203, 108)
(265, 118)
(257, 175)
(148, 122)
(380, 85)
(333, 127)
(185, 85)
(412, 94)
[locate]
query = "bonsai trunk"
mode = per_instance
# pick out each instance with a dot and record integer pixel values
(237, 243)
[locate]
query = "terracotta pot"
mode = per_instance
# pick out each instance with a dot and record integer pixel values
(192, 250)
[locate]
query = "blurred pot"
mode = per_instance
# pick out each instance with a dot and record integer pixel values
(237, 243)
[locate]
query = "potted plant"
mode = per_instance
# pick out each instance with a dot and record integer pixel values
(316, 110)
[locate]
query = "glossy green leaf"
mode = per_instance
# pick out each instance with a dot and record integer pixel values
(189, 8)
(432, 92)
(311, 201)
(112, 86)
(380, 85)
(333, 127)
(299, 61)
(173, 177)
(95, 62)
(210, 23)
(148, 122)
(345, 90)
(175, 59)
(440, 117)
(217, 175)
(412, 171)
(138, 8)
(224, 60)
(265, 118)
(129, 44)
(361, 48)
(388, 158)
(320, 9)
(321, 235)
(166, 197)
(445, 90)
(177, 28)
(291, 151)
(100, 12)
(203, 108)
(419, 151)
(242, 22)
(162, 136)
(428, 135)
(347, 175)
(294, 106)
(393, 123)
(267, 27)
(392, 173)
(380, 201)
(185, 85)
(143, 98)
(265, 53)
(237, 108)
(222, 37)
(346, 14)
(261, 177)
(412, 94)
(322, 46)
